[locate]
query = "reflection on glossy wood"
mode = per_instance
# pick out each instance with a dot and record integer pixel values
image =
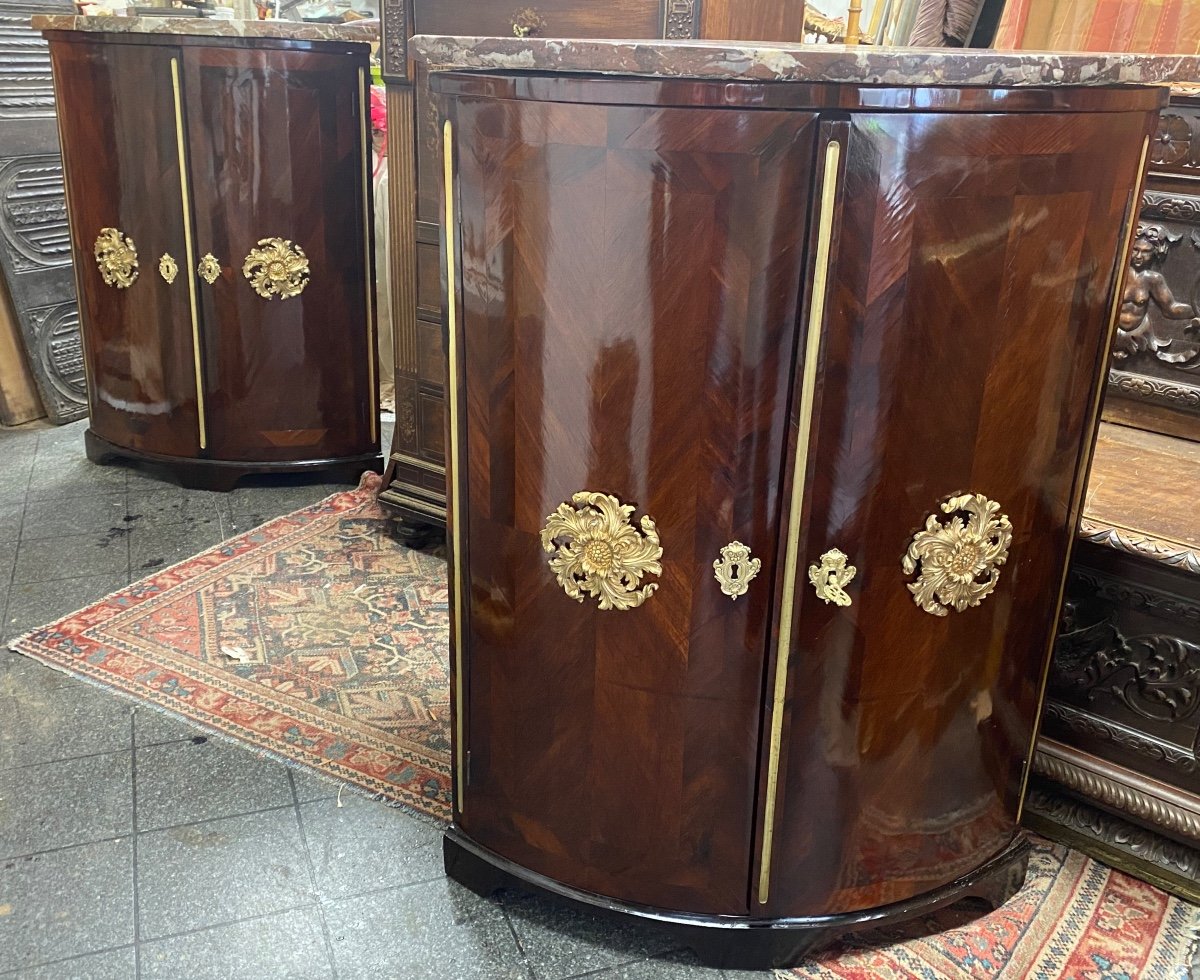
(632, 281)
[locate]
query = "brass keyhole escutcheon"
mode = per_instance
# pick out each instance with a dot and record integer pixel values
(831, 577)
(735, 569)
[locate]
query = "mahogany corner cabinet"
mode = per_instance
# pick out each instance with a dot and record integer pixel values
(770, 406)
(220, 211)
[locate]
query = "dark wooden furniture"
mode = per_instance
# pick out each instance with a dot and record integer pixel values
(1117, 772)
(415, 480)
(221, 218)
(1154, 381)
(770, 407)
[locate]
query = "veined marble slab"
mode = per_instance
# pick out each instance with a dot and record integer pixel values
(862, 64)
(288, 30)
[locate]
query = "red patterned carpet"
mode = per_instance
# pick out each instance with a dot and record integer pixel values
(316, 638)
(320, 640)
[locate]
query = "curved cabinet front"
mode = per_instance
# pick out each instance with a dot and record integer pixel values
(241, 340)
(766, 442)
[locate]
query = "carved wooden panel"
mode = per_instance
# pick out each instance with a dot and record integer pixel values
(35, 250)
(1154, 380)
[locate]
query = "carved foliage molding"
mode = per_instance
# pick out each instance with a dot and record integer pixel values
(1118, 796)
(1141, 545)
(394, 54)
(1100, 729)
(1139, 843)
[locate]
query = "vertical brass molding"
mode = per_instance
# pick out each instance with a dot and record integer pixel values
(364, 94)
(185, 199)
(1085, 461)
(456, 512)
(808, 385)
(76, 270)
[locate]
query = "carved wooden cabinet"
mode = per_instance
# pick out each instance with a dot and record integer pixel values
(219, 213)
(415, 482)
(769, 410)
(1154, 381)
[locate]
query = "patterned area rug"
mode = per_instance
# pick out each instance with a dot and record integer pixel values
(320, 640)
(316, 638)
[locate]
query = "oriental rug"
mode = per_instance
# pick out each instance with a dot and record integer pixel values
(318, 639)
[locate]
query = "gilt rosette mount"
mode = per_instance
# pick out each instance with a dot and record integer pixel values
(276, 267)
(116, 256)
(596, 551)
(957, 563)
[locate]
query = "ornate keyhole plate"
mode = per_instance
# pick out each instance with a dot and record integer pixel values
(735, 569)
(168, 268)
(116, 256)
(209, 268)
(596, 551)
(276, 268)
(830, 578)
(957, 563)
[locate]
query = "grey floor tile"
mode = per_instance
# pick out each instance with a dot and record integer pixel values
(437, 930)
(23, 676)
(288, 945)
(14, 478)
(247, 507)
(216, 872)
(56, 439)
(114, 964)
(679, 965)
(59, 804)
(182, 782)
(62, 475)
(72, 556)
(153, 727)
(155, 547)
(94, 515)
(560, 941)
(8, 555)
(364, 845)
(33, 604)
(67, 903)
(310, 786)
(61, 722)
(11, 509)
(154, 504)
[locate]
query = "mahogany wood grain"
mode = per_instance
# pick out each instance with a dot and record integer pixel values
(630, 279)
(633, 268)
(276, 152)
(122, 165)
(966, 328)
(752, 20)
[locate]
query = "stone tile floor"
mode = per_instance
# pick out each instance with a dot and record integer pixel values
(132, 846)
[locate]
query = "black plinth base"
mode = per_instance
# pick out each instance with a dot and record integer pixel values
(223, 475)
(741, 943)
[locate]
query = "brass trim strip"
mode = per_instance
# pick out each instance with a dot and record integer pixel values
(191, 252)
(808, 386)
(1081, 475)
(455, 471)
(368, 231)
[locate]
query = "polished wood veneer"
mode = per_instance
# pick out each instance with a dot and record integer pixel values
(194, 146)
(754, 315)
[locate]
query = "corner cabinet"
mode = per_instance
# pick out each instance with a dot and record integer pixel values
(220, 213)
(770, 406)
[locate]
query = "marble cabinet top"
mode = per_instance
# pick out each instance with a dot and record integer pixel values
(288, 30)
(776, 61)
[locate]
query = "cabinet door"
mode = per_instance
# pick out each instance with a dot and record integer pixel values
(961, 350)
(629, 283)
(121, 156)
(276, 140)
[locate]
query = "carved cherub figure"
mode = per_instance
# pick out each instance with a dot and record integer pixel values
(1145, 283)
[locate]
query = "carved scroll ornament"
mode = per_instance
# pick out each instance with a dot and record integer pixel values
(596, 551)
(116, 257)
